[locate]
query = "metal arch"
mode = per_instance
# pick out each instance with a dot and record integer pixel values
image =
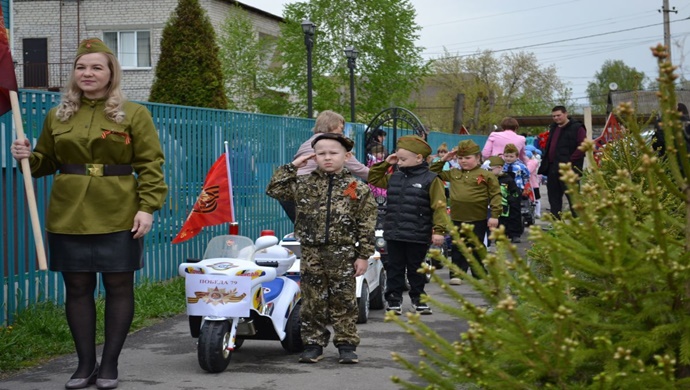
(398, 116)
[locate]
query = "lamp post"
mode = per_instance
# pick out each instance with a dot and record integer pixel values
(309, 29)
(351, 54)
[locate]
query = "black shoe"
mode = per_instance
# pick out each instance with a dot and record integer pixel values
(516, 240)
(395, 307)
(106, 383)
(81, 383)
(421, 308)
(311, 354)
(347, 354)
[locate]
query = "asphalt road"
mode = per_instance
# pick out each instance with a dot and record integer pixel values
(164, 357)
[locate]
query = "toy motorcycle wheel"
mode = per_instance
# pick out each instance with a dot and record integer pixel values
(427, 276)
(363, 305)
(376, 299)
(212, 351)
(293, 335)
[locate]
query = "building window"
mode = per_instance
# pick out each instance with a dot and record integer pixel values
(133, 48)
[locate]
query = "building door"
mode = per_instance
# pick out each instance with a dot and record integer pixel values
(35, 62)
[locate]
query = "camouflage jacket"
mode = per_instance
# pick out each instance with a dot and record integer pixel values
(332, 209)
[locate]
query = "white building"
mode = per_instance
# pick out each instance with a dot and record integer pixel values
(45, 35)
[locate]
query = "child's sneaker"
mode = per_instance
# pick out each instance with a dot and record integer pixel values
(347, 354)
(311, 354)
(455, 281)
(394, 307)
(421, 308)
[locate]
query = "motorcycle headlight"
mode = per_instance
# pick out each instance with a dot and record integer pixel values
(380, 242)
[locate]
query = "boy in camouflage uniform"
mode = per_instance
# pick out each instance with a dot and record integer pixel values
(335, 211)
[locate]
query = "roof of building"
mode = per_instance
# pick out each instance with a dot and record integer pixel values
(257, 10)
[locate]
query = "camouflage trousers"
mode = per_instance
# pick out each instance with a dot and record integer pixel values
(327, 281)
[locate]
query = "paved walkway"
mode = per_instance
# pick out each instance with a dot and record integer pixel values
(164, 356)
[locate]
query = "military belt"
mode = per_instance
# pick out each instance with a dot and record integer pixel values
(96, 170)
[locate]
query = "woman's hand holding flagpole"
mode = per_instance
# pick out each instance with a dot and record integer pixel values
(10, 100)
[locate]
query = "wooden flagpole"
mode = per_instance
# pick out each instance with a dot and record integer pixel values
(29, 185)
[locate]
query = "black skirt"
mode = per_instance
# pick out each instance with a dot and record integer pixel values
(111, 252)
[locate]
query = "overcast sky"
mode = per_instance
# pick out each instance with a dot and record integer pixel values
(576, 36)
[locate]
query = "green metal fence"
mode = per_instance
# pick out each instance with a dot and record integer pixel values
(192, 140)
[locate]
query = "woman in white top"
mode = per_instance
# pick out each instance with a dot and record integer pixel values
(329, 122)
(326, 122)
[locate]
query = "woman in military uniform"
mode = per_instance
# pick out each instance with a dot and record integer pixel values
(107, 160)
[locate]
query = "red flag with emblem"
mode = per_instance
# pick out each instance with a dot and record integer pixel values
(214, 205)
(8, 80)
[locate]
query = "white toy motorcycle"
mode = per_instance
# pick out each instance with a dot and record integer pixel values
(370, 287)
(236, 292)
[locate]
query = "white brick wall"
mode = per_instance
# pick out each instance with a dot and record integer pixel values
(64, 25)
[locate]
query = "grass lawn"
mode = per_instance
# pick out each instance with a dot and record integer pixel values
(41, 332)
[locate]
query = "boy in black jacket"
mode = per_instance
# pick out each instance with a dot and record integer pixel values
(511, 216)
(415, 215)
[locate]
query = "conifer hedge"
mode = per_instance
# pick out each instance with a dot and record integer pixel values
(600, 302)
(188, 72)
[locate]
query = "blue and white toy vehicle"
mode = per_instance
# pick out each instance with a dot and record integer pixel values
(371, 286)
(238, 291)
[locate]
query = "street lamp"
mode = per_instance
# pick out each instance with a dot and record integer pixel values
(351, 54)
(309, 29)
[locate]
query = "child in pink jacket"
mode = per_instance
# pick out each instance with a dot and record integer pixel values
(534, 181)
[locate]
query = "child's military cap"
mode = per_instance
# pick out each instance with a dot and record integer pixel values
(414, 144)
(347, 143)
(496, 161)
(510, 148)
(93, 45)
(467, 148)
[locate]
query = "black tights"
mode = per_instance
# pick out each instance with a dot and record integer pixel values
(80, 308)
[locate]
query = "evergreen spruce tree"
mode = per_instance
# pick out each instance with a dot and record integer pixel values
(602, 301)
(188, 71)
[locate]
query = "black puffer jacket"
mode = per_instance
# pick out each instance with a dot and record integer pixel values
(409, 213)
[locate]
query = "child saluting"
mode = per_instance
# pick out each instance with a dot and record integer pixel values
(335, 211)
(472, 191)
(415, 216)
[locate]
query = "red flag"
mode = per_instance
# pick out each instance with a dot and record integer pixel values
(214, 204)
(8, 80)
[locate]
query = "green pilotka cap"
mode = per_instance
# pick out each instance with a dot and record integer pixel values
(414, 144)
(496, 161)
(467, 148)
(510, 148)
(93, 45)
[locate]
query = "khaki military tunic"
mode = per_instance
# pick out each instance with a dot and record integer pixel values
(81, 204)
(471, 192)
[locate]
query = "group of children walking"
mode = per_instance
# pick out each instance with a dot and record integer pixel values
(336, 218)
